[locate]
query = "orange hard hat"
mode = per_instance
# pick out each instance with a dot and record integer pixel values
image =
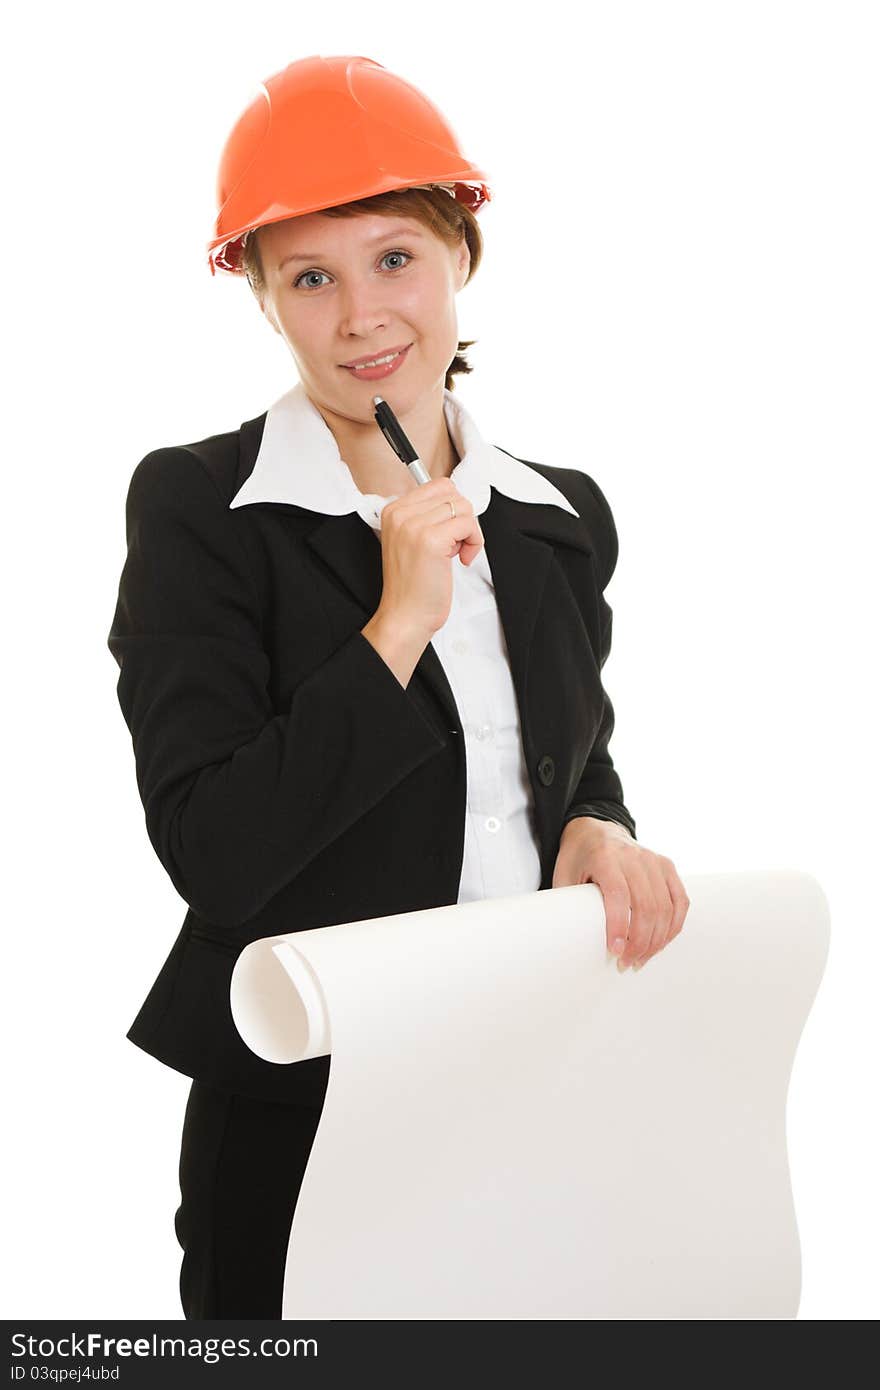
(326, 131)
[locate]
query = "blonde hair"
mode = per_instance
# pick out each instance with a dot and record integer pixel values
(433, 207)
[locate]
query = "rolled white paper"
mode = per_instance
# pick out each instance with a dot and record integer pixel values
(514, 1129)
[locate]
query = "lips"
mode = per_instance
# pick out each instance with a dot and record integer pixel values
(359, 361)
(387, 369)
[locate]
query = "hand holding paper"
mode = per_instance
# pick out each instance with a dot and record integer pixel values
(644, 898)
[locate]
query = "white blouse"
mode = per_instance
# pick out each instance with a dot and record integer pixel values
(299, 462)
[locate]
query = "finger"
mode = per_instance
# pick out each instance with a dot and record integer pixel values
(663, 910)
(679, 899)
(450, 535)
(643, 914)
(431, 510)
(462, 524)
(437, 494)
(466, 539)
(472, 545)
(615, 898)
(461, 533)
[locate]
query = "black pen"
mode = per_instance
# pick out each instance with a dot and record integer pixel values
(393, 431)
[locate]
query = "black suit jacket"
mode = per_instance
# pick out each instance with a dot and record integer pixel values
(288, 780)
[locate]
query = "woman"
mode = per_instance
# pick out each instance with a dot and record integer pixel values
(350, 695)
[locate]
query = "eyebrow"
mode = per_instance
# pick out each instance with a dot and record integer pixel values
(390, 234)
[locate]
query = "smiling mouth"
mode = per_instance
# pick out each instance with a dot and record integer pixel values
(377, 361)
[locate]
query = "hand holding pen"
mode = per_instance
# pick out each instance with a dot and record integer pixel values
(422, 532)
(394, 432)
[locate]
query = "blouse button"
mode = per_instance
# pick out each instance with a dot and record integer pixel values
(493, 824)
(459, 646)
(483, 731)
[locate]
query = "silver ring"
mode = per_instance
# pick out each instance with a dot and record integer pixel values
(452, 505)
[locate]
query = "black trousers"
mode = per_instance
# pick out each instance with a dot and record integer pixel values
(242, 1162)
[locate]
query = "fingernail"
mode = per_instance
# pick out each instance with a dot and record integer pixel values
(637, 964)
(618, 946)
(620, 965)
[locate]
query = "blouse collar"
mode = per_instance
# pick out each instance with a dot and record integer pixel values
(299, 462)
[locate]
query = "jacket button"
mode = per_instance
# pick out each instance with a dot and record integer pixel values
(546, 770)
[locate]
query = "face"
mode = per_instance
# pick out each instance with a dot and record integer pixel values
(339, 289)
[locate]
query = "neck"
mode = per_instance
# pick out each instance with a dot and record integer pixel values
(372, 462)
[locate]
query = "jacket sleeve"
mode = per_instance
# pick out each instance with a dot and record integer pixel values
(237, 797)
(599, 792)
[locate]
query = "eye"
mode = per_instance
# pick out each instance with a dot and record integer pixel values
(397, 253)
(385, 256)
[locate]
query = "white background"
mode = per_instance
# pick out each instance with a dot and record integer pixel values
(679, 294)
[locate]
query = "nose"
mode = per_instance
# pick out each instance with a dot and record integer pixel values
(362, 312)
